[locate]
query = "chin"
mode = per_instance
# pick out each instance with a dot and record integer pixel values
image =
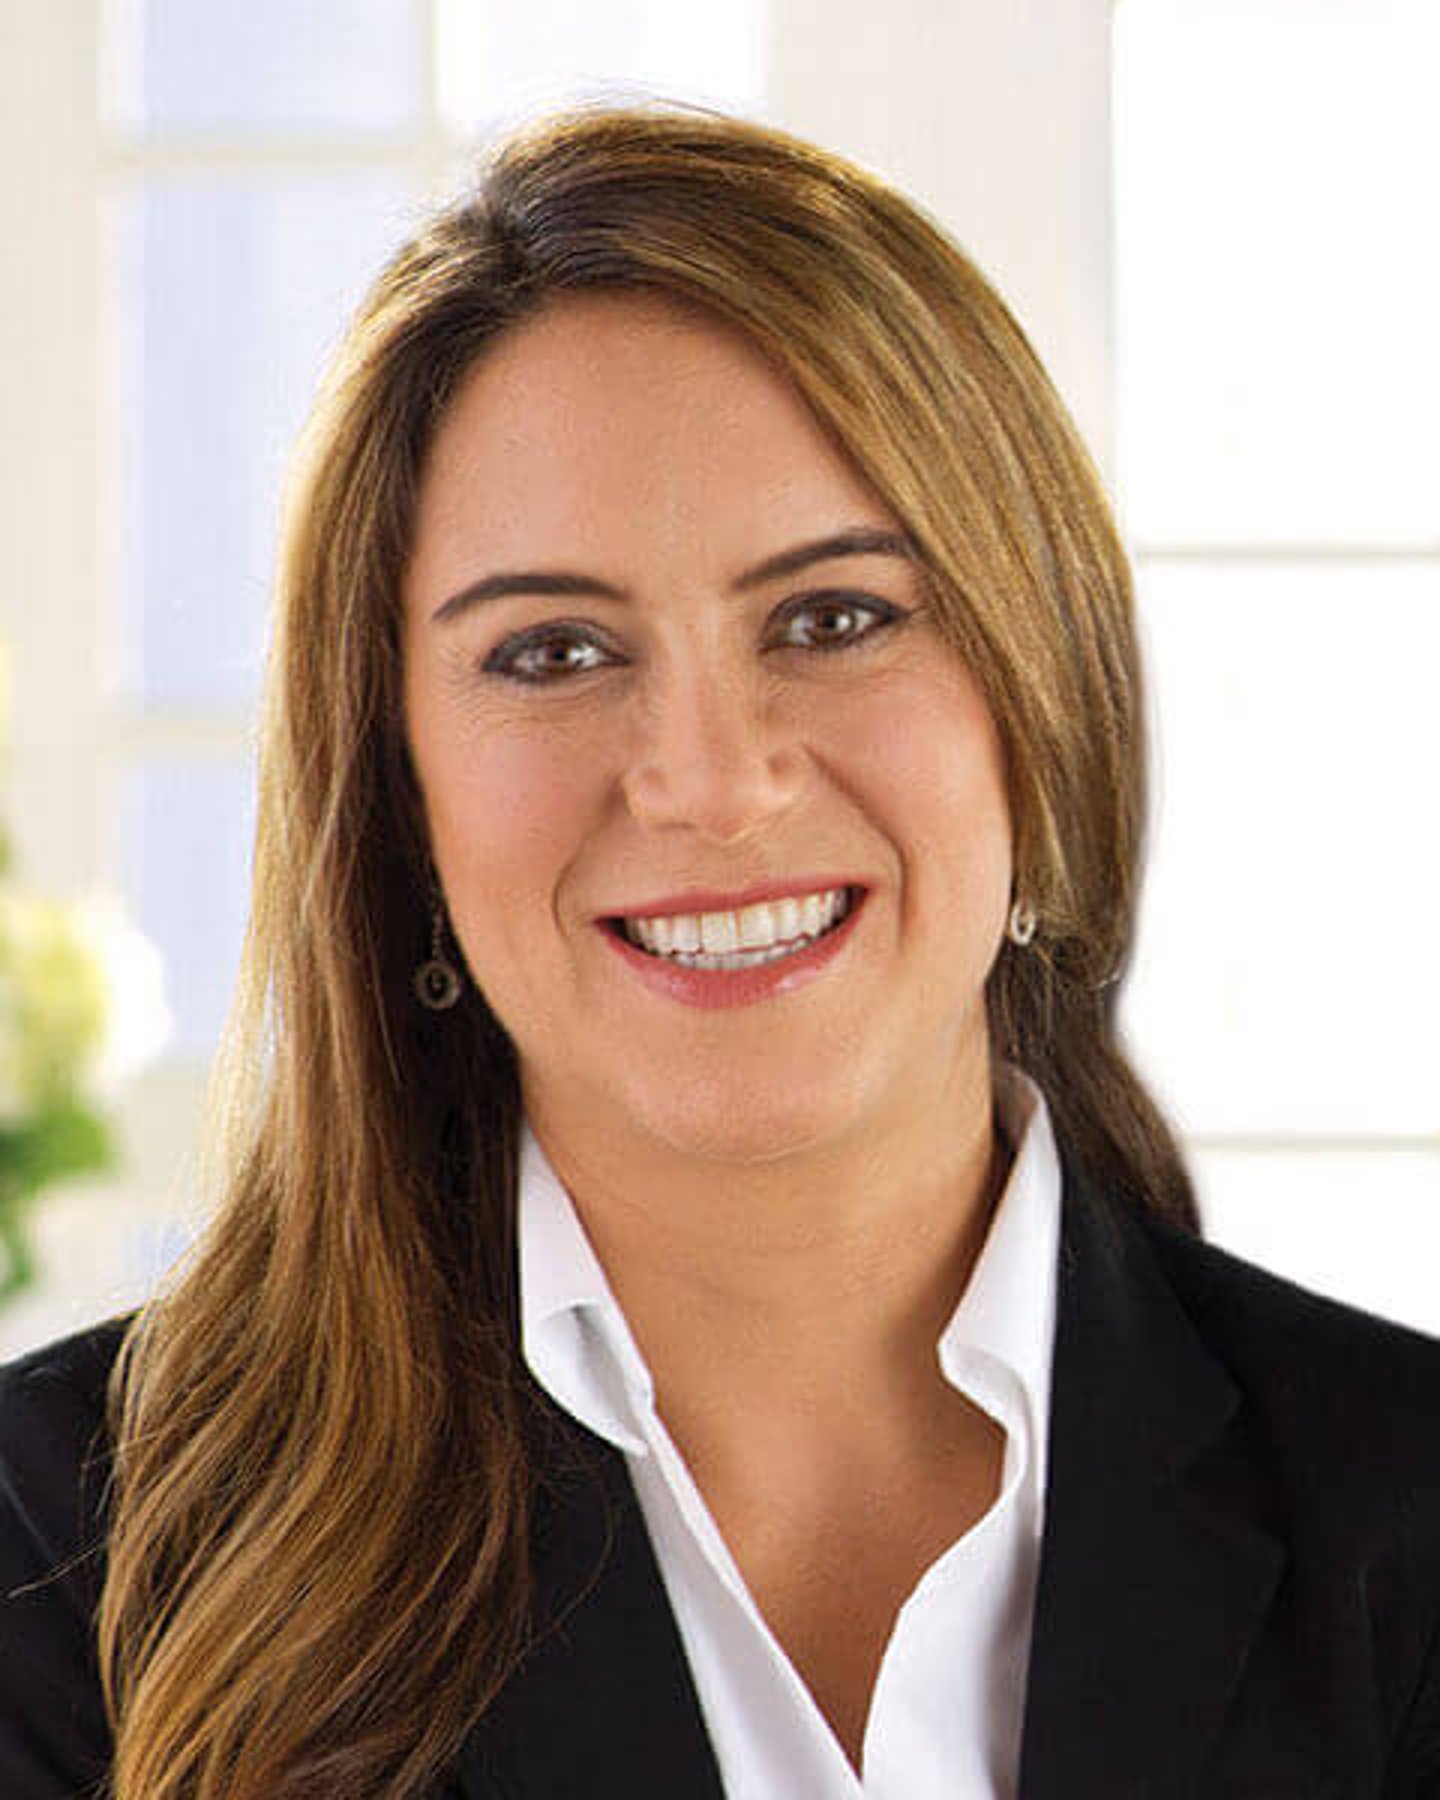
(748, 1122)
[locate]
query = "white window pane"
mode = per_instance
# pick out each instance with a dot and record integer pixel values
(1363, 1227)
(1287, 973)
(186, 834)
(501, 58)
(231, 293)
(265, 66)
(1278, 269)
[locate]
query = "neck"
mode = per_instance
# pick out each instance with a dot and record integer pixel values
(805, 1294)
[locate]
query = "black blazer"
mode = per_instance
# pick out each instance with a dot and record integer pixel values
(1239, 1591)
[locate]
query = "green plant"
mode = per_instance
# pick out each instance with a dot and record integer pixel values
(54, 1012)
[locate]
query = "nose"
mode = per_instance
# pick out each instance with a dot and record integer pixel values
(710, 752)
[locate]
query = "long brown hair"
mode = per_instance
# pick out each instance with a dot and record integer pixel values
(319, 1557)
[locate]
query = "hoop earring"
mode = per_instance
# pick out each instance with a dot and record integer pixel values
(1021, 927)
(437, 981)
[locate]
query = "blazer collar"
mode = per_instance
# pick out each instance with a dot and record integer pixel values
(1154, 1575)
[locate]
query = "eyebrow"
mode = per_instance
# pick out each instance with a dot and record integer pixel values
(860, 540)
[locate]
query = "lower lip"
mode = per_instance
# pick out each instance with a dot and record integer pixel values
(735, 987)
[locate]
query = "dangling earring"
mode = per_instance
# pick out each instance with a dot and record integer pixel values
(1021, 928)
(437, 982)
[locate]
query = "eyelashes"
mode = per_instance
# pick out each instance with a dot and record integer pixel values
(867, 615)
(542, 656)
(824, 624)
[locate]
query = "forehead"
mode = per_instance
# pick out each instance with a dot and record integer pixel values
(625, 421)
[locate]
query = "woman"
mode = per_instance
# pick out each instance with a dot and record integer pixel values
(679, 1109)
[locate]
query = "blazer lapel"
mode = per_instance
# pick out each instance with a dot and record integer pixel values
(604, 1704)
(1154, 1576)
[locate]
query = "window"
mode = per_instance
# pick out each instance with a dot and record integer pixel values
(1278, 382)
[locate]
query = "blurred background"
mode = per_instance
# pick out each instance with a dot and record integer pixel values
(1215, 218)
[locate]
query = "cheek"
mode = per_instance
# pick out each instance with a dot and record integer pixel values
(506, 810)
(934, 749)
(930, 763)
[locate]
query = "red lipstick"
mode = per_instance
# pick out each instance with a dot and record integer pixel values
(712, 900)
(709, 988)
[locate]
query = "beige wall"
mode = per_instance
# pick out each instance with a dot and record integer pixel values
(995, 115)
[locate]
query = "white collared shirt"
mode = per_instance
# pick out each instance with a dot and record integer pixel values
(946, 1712)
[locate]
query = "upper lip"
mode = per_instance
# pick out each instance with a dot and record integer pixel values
(713, 900)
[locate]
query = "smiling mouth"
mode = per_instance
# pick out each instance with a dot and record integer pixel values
(743, 939)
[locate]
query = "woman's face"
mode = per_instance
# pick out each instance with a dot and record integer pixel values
(667, 660)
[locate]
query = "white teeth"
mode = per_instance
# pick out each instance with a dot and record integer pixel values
(740, 939)
(719, 933)
(759, 927)
(816, 913)
(742, 959)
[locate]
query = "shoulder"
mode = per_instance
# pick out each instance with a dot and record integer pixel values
(1342, 1402)
(61, 1387)
(54, 1466)
(1296, 1340)
(1336, 1409)
(53, 1446)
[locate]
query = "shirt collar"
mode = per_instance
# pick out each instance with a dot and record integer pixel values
(580, 1348)
(1007, 1312)
(575, 1337)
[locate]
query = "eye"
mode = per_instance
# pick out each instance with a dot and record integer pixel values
(546, 654)
(835, 620)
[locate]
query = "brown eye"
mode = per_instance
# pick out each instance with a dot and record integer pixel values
(547, 654)
(834, 621)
